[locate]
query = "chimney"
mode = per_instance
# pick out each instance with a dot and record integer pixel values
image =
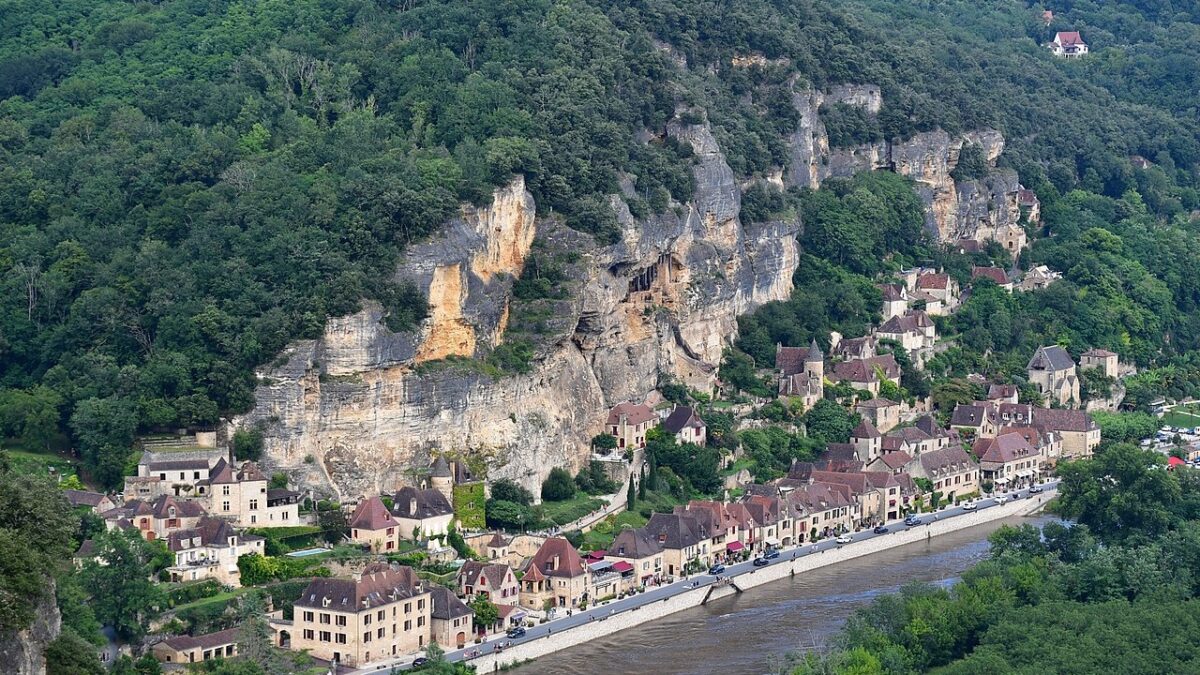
(412, 506)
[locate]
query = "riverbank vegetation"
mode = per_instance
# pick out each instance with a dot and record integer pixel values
(1115, 586)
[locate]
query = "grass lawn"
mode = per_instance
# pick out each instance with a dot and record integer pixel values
(743, 463)
(1187, 415)
(223, 597)
(561, 513)
(30, 463)
(601, 536)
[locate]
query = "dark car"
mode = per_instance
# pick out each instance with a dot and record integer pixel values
(419, 661)
(516, 631)
(716, 569)
(912, 520)
(880, 530)
(760, 562)
(771, 555)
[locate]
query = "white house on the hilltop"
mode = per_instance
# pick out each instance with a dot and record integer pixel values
(1068, 45)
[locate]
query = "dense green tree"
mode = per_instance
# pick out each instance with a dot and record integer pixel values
(505, 489)
(829, 422)
(123, 596)
(558, 486)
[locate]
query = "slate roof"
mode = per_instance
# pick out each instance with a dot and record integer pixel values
(892, 292)
(857, 482)
(440, 468)
(949, 459)
(911, 321)
(446, 605)
(1099, 353)
(178, 465)
(897, 459)
(674, 531)
(415, 504)
(682, 417)
(635, 544)
(160, 508)
(865, 430)
(999, 391)
(379, 585)
(1050, 358)
(371, 514)
(208, 530)
(969, 415)
(634, 413)
(856, 348)
(909, 434)
(765, 509)
(876, 403)
(931, 428)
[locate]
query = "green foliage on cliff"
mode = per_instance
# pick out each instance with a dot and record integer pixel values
(469, 501)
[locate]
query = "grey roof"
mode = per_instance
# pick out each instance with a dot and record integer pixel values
(446, 604)
(674, 531)
(938, 461)
(440, 468)
(379, 585)
(417, 504)
(680, 418)
(1050, 358)
(636, 544)
(83, 497)
(969, 415)
(179, 465)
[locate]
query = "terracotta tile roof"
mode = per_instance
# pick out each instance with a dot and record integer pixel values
(897, 459)
(1002, 449)
(865, 430)
(996, 274)
(791, 360)
(854, 371)
(371, 514)
(877, 403)
(84, 498)
(1069, 38)
(1053, 419)
(558, 558)
(999, 391)
(634, 413)
(935, 281)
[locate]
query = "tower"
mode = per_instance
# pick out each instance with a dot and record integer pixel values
(441, 479)
(814, 362)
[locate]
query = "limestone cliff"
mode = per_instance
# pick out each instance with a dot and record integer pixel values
(354, 410)
(980, 209)
(23, 652)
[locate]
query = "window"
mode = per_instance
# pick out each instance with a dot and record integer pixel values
(421, 603)
(253, 504)
(341, 638)
(308, 634)
(367, 620)
(308, 616)
(325, 636)
(225, 490)
(340, 620)
(380, 615)
(407, 626)
(420, 621)
(195, 475)
(367, 636)
(408, 608)
(324, 618)
(224, 506)
(381, 632)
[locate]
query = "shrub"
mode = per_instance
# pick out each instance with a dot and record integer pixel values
(558, 486)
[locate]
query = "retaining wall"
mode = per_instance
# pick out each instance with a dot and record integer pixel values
(755, 577)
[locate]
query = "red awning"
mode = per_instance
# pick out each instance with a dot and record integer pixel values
(622, 567)
(1173, 462)
(734, 546)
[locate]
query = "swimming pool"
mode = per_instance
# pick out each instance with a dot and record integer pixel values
(306, 552)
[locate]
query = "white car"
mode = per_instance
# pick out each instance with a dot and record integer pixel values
(970, 506)
(844, 539)
(1002, 499)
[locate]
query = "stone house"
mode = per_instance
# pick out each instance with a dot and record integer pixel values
(952, 471)
(867, 441)
(629, 422)
(188, 649)
(895, 300)
(450, 619)
(494, 581)
(770, 512)
(1048, 443)
(210, 551)
(941, 286)
(717, 524)
(94, 502)
(373, 525)
(868, 501)
(1108, 362)
(1008, 460)
(1002, 393)
(893, 462)
(1068, 45)
(1079, 432)
(682, 541)
(382, 613)
(977, 420)
(556, 576)
(887, 487)
(801, 372)
(240, 495)
(422, 514)
(1027, 201)
(860, 376)
(914, 332)
(1053, 371)
(853, 349)
(1037, 278)
(686, 426)
(823, 508)
(155, 519)
(642, 551)
(883, 414)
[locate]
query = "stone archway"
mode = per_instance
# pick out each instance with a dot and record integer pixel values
(285, 639)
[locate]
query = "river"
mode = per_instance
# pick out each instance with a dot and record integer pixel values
(744, 633)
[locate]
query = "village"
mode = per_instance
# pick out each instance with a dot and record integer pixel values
(408, 570)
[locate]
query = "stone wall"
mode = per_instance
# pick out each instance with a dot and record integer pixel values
(22, 652)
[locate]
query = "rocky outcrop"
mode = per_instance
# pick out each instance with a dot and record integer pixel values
(981, 210)
(353, 411)
(23, 652)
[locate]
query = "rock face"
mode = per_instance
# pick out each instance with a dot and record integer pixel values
(355, 410)
(23, 652)
(980, 210)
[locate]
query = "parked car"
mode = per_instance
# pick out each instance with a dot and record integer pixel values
(1002, 499)
(844, 539)
(761, 562)
(912, 520)
(419, 661)
(970, 506)
(880, 529)
(771, 555)
(1035, 489)
(716, 569)
(516, 632)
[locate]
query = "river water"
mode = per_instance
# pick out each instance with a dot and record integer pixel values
(744, 633)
